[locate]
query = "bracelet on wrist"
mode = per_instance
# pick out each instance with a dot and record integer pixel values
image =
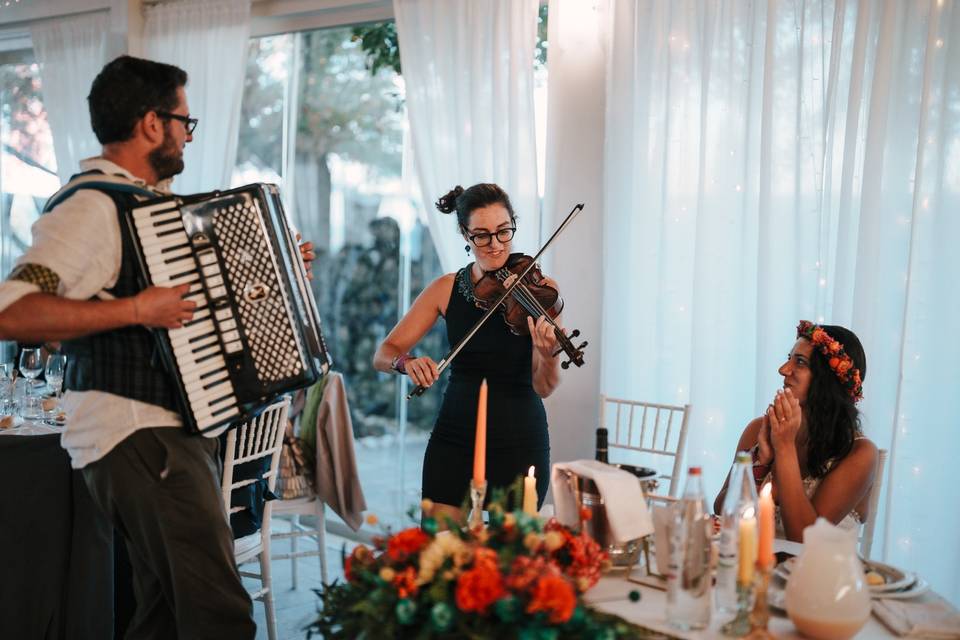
(399, 363)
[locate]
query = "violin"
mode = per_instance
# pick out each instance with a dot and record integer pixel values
(528, 299)
(512, 281)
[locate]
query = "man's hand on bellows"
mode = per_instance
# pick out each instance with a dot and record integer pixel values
(307, 254)
(163, 307)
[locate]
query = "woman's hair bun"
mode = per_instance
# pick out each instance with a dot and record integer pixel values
(448, 202)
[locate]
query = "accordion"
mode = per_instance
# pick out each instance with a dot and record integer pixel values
(255, 333)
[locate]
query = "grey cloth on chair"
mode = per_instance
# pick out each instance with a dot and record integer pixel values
(337, 480)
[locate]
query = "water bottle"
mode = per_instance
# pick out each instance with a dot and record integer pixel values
(741, 496)
(688, 578)
(602, 445)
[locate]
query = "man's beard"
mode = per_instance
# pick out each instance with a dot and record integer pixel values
(166, 160)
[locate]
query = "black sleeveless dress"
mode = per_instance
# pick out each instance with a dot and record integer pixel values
(516, 421)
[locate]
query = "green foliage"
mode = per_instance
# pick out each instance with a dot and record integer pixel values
(380, 43)
(371, 603)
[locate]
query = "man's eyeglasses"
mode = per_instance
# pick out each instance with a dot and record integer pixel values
(188, 123)
(484, 239)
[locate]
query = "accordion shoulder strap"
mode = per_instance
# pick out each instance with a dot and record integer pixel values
(101, 182)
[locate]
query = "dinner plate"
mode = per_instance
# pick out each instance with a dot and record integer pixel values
(918, 588)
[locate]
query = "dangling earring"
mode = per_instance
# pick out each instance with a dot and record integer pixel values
(466, 248)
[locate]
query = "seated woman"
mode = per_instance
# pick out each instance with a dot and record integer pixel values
(809, 443)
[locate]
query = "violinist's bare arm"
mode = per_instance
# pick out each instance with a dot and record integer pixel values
(546, 366)
(423, 314)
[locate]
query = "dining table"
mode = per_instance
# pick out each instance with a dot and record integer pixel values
(58, 570)
(612, 595)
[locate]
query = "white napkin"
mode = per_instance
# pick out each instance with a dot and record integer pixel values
(622, 496)
(928, 619)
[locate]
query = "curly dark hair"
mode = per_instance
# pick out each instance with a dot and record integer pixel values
(466, 201)
(125, 90)
(833, 420)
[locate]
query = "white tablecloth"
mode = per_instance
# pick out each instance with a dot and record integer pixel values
(611, 595)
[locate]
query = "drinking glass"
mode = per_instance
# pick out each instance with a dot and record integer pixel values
(31, 364)
(56, 366)
(8, 371)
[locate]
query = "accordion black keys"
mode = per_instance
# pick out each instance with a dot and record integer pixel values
(256, 330)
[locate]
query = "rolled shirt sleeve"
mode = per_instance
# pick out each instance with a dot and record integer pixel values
(75, 251)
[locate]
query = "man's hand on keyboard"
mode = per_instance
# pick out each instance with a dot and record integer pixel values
(163, 307)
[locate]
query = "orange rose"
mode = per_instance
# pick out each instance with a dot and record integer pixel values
(844, 366)
(834, 347)
(479, 588)
(834, 362)
(555, 596)
(361, 556)
(406, 583)
(818, 335)
(406, 542)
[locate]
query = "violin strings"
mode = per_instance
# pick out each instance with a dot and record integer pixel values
(532, 305)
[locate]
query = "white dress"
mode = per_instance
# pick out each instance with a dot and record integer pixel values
(852, 520)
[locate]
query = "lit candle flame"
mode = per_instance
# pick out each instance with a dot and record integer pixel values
(767, 488)
(530, 472)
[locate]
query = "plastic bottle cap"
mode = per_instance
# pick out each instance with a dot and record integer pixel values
(694, 471)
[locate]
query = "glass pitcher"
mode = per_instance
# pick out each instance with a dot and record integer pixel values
(827, 597)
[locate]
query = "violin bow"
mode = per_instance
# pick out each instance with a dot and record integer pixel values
(447, 359)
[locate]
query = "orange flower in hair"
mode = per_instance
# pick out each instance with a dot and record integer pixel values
(837, 359)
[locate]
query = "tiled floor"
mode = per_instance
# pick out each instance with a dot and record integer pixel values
(295, 609)
(389, 492)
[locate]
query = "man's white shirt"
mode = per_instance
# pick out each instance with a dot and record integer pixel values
(80, 241)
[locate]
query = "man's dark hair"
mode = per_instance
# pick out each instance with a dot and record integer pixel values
(125, 90)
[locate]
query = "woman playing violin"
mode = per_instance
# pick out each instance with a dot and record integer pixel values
(520, 369)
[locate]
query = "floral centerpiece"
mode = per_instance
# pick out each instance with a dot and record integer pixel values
(519, 577)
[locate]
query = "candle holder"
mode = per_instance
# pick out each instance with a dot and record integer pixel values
(478, 491)
(760, 616)
(741, 624)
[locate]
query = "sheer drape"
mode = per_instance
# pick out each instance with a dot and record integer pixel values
(772, 161)
(468, 70)
(71, 51)
(207, 39)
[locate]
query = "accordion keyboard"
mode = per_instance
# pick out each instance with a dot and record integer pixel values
(196, 346)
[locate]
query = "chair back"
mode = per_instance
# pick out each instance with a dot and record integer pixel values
(650, 428)
(866, 535)
(260, 438)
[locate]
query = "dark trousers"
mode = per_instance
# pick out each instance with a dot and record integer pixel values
(160, 488)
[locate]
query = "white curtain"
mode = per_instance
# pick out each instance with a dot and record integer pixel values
(71, 51)
(207, 39)
(772, 161)
(468, 70)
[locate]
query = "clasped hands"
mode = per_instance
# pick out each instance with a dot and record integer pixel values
(781, 423)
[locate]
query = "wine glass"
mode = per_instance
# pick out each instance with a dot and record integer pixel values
(31, 364)
(56, 366)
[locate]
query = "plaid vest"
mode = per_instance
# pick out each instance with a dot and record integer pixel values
(125, 362)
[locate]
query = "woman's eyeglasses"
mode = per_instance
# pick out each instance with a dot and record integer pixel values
(484, 239)
(188, 123)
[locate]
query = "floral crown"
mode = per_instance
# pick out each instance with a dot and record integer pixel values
(837, 358)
